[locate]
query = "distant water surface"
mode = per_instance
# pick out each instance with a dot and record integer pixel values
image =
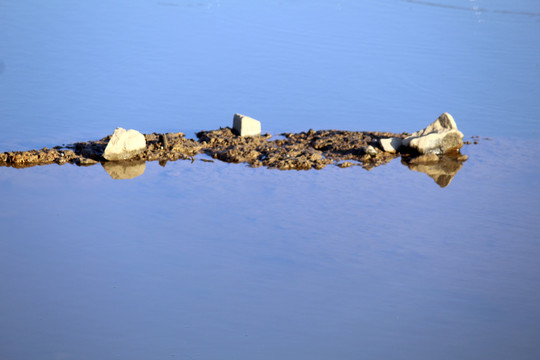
(222, 261)
(75, 70)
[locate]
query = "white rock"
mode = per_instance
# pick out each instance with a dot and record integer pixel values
(246, 126)
(124, 145)
(390, 145)
(370, 150)
(445, 122)
(440, 137)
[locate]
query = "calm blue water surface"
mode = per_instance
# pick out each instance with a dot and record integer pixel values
(222, 261)
(75, 70)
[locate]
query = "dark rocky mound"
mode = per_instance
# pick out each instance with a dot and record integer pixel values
(302, 151)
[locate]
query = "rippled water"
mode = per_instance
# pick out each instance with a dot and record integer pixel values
(220, 261)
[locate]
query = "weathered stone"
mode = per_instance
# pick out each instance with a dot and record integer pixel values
(124, 169)
(390, 145)
(370, 150)
(440, 137)
(246, 126)
(124, 145)
(82, 161)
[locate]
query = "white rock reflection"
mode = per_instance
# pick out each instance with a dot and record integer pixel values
(124, 169)
(442, 169)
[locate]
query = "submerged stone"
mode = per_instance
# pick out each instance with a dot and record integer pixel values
(82, 161)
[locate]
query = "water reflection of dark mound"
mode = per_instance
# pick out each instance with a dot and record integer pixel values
(442, 168)
(124, 169)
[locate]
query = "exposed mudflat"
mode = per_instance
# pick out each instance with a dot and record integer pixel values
(301, 151)
(287, 151)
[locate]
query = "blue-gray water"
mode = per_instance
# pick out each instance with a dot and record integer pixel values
(221, 261)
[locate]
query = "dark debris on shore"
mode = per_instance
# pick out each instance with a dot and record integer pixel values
(290, 151)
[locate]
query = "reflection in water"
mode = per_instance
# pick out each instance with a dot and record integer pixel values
(441, 168)
(215, 260)
(124, 169)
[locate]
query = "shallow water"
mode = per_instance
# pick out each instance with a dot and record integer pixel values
(205, 261)
(221, 261)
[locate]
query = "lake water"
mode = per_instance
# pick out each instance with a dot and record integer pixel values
(222, 261)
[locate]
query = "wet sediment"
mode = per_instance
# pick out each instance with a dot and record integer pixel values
(288, 151)
(300, 151)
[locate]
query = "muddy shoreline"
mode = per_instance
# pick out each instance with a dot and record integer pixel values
(287, 151)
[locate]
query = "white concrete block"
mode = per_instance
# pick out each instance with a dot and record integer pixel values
(246, 126)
